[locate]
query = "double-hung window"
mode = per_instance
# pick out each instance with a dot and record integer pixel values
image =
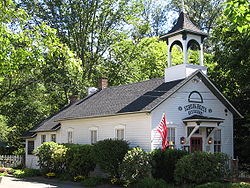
(43, 138)
(217, 141)
(93, 135)
(171, 136)
(120, 132)
(31, 146)
(53, 137)
(70, 136)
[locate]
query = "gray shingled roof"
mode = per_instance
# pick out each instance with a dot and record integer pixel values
(183, 24)
(131, 98)
(135, 97)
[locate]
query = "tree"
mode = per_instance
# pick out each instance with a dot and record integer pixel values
(37, 71)
(87, 27)
(202, 13)
(231, 73)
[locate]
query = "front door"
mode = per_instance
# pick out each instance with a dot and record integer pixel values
(196, 144)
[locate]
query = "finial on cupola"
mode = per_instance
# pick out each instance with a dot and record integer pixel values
(183, 6)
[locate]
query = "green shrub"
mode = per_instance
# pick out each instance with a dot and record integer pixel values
(164, 162)
(27, 172)
(151, 183)
(51, 157)
(241, 185)
(92, 181)
(201, 167)
(135, 165)
(109, 155)
(214, 185)
(79, 160)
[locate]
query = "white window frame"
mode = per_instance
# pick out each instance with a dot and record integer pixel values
(118, 128)
(29, 150)
(172, 138)
(93, 129)
(70, 140)
(51, 139)
(43, 138)
(215, 142)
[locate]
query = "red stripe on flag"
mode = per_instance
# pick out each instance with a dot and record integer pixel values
(163, 130)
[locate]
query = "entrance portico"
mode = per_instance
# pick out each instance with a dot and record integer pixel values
(202, 134)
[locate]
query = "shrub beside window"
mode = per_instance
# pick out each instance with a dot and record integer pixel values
(201, 167)
(163, 163)
(109, 154)
(79, 160)
(135, 166)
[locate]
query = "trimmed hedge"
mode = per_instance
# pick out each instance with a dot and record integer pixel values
(201, 167)
(164, 162)
(109, 154)
(79, 160)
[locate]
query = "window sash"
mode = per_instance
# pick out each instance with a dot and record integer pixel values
(31, 146)
(217, 141)
(70, 137)
(171, 135)
(120, 134)
(53, 137)
(43, 138)
(93, 136)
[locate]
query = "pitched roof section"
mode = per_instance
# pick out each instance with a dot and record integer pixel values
(184, 24)
(131, 98)
(136, 97)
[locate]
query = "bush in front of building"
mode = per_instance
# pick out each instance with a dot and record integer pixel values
(135, 165)
(51, 157)
(79, 160)
(151, 183)
(201, 167)
(164, 163)
(109, 154)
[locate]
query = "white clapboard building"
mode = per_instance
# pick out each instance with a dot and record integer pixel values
(199, 117)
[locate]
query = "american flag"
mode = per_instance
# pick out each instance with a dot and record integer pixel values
(163, 130)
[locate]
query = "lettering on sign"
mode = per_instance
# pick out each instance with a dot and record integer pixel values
(195, 108)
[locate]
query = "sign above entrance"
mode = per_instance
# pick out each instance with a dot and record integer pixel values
(194, 108)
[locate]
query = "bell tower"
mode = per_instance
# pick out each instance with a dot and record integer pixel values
(184, 34)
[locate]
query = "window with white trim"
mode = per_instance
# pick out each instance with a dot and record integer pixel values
(120, 132)
(70, 136)
(43, 138)
(217, 140)
(31, 147)
(171, 135)
(53, 137)
(93, 135)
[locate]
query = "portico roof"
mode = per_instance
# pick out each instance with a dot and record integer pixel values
(199, 118)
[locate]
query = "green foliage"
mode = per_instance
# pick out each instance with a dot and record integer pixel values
(51, 157)
(109, 154)
(151, 183)
(37, 72)
(164, 163)
(201, 167)
(92, 181)
(135, 165)
(231, 40)
(79, 160)
(224, 185)
(133, 61)
(27, 172)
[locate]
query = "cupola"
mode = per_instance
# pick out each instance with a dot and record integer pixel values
(184, 34)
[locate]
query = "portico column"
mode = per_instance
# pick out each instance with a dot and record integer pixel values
(169, 57)
(201, 55)
(185, 55)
